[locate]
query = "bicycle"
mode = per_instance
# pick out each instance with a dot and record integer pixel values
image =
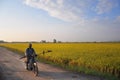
(32, 65)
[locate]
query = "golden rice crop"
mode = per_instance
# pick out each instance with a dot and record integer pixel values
(103, 57)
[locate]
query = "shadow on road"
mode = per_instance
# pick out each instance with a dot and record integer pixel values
(7, 73)
(1, 75)
(57, 75)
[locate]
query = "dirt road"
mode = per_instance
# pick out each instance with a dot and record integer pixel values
(12, 68)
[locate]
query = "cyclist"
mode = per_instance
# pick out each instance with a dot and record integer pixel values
(30, 52)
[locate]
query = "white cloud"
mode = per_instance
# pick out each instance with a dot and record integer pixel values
(105, 6)
(72, 10)
(67, 10)
(55, 8)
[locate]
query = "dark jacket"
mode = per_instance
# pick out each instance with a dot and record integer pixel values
(30, 52)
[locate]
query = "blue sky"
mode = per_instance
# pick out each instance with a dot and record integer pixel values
(64, 20)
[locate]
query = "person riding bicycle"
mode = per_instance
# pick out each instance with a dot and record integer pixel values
(30, 52)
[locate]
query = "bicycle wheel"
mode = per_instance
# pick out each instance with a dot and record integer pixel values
(35, 69)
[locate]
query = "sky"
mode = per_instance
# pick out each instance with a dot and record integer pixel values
(63, 20)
